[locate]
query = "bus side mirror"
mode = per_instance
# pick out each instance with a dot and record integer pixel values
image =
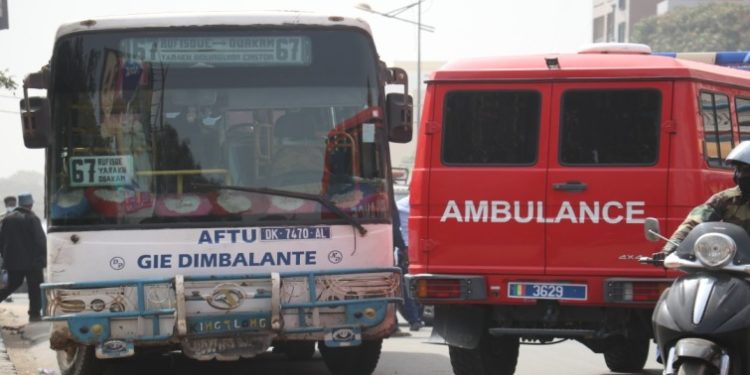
(400, 123)
(35, 122)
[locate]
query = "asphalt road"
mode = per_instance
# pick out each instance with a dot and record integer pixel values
(400, 356)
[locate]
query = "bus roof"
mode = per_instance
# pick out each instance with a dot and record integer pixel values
(211, 19)
(586, 66)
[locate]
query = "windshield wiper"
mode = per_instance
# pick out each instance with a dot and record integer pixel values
(327, 203)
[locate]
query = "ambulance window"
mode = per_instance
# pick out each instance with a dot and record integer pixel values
(491, 127)
(743, 117)
(610, 127)
(717, 128)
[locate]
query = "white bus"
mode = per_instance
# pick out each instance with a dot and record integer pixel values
(218, 184)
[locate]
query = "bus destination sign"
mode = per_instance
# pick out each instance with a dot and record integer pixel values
(266, 50)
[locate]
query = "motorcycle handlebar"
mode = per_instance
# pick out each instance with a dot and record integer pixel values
(651, 261)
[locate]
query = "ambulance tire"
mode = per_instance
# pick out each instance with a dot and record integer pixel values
(79, 360)
(627, 355)
(353, 360)
(299, 350)
(493, 356)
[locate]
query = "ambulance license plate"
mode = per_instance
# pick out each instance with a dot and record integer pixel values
(558, 291)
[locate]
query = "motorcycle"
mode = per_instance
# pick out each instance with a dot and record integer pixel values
(702, 322)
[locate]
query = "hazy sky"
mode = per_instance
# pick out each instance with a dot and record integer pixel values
(462, 28)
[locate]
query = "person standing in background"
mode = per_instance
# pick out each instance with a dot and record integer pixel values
(10, 204)
(411, 309)
(23, 246)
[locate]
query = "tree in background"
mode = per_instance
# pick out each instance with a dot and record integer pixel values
(6, 82)
(711, 27)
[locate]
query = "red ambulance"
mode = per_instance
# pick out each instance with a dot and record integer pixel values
(532, 179)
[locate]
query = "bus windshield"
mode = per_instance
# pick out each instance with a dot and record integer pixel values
(155, 127)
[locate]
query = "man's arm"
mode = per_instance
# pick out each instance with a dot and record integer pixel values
(2, 242)
(39, 242)
(709, 211)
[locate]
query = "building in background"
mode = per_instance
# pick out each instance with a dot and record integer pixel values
(613, 19)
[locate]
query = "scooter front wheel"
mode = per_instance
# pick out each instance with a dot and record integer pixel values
(695, 367)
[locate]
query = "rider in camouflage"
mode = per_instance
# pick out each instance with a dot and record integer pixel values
(731, 205)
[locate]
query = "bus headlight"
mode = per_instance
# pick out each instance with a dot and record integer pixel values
(715, 249)
(61, 301)
(159, 296)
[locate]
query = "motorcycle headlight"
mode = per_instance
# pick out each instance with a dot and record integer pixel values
(715, 249)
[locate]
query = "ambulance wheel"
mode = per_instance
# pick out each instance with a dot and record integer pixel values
(353, 360)
(79, 360)
(493, 356)
(627, 355)
(299, 350)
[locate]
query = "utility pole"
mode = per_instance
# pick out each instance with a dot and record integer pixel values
(3, 14)
(420, 27)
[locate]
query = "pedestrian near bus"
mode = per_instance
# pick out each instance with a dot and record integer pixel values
(410, 309)
(23, 246)
(10, 205)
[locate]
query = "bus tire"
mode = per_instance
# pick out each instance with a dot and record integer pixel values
(79, 360)
(493, 356)
(353, 360)
(627, 355)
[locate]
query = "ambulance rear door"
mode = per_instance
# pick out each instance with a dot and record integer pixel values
(608, 167)
(488, 178)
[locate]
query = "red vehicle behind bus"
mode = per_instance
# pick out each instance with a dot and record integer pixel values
(532, 179)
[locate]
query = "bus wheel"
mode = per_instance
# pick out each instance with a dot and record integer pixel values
(299, 350)
(79, 360)
(353, 360)
(627, 355)
(494, 355)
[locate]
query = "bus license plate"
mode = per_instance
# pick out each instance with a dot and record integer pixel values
(212, 325)
(236, 346)
(295, 233)
(558, 291)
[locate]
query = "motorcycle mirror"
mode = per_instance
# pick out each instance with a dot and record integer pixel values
(651, 229)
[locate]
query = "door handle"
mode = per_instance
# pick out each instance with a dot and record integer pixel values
(569, 186)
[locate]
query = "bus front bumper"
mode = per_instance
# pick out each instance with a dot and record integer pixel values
(223, 317)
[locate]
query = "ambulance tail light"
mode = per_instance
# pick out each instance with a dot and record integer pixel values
(635, 291)
(438, 288)
(429, 287)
